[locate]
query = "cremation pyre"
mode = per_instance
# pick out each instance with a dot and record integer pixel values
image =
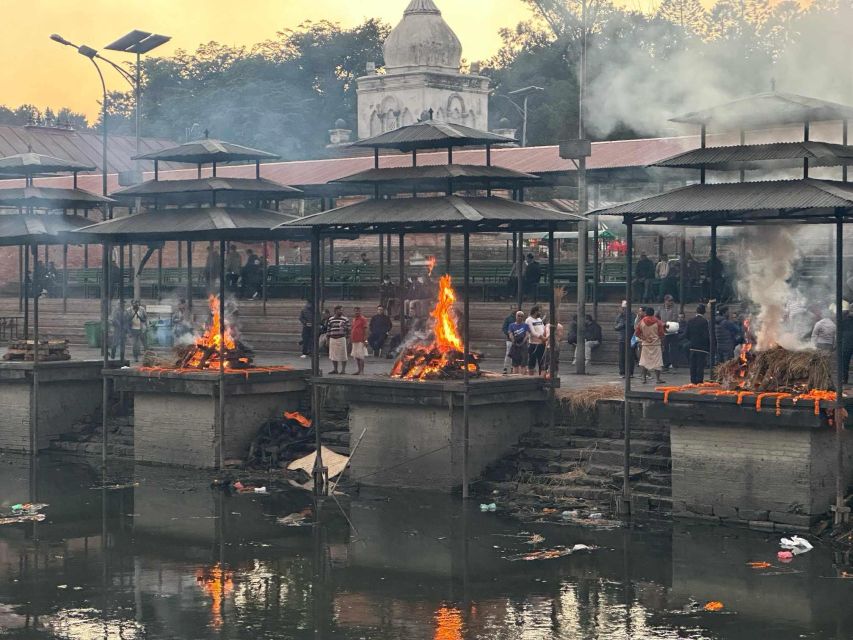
(204, 352)
(775, 375)
(443, 357)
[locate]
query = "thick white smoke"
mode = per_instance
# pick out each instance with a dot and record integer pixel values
(780, 313)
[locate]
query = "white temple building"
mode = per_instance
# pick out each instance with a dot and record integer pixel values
(422, 61)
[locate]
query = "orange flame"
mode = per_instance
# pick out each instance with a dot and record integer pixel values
(430, 264)
(212, 338)
(443, 354)
(446, 335)
(298, 417)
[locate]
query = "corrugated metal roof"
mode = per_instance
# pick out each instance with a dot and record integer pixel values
(255, 187)
(762, 200)
(201, 223)
(431, 134)
(771, 108)
(405, 214)
(436, 172)
(206, 151)
(753, 156)
(617, 154)
(50, 198)
(84, 147)
(30, 163)
(22, 228)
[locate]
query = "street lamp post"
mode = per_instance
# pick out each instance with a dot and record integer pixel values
(138, 42)
(524, 93)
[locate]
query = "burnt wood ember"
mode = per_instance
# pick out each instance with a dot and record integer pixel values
(429, 363)
(207, 357)
(280, 441)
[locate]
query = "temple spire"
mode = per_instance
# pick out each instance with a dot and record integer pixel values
(422, 6)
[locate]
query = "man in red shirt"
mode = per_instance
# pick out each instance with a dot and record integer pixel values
(359, 340)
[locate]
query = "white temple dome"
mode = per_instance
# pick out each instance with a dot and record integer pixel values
(422, 40)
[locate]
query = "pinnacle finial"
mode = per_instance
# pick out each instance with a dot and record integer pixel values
(422, 6)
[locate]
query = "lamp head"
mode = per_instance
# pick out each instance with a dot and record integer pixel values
(58, 38)
(87, 51)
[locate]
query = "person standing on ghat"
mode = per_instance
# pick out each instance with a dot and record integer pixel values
(513, 312)
(823, 334)
(306, 319)
(378, 329)
(337, 331)
(669, 313)
(358, 337)
(517, 334)
(137, 324)
(698, 336)
(621, 326)
(536, 340)
(650, 333)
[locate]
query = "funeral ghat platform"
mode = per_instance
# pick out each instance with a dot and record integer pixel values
(413, 430)
(175, 411)
(773, 467)
(69, 393)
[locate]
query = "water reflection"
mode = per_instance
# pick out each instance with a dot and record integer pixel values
(169, 557)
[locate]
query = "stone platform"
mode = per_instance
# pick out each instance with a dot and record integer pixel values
(176, 411)
(69, 393)
(414, 429)
(731, 462)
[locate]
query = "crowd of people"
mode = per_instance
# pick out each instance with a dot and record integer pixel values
(346, 338)
(244, 276)
(653, 281)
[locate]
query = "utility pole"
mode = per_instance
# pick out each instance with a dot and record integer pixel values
(583, 231)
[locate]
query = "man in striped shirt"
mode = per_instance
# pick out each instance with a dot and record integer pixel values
(337, 330)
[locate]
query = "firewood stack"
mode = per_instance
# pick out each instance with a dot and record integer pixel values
(49, 350)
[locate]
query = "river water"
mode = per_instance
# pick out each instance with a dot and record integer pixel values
(169, 557)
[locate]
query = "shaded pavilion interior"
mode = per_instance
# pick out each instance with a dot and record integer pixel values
(746, 203)
(425, 211)
(40, 218)
(209, 209)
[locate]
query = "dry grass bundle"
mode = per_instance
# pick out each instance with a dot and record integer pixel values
(585, 399)
(778, 369)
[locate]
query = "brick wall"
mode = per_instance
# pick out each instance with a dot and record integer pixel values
(753, 472)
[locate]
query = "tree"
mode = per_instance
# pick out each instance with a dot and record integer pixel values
(690, 15)
(282, 94)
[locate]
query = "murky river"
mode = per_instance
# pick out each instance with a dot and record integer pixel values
(172, 558)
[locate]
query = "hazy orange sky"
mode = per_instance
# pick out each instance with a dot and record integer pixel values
(38, 71)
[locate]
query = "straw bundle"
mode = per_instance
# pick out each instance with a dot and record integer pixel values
(586, 399)
(778, 369)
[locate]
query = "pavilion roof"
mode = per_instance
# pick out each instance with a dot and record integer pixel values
(807, 200)
(30, 163)
(761, 156)
(197, 223)
(50, 198)
(446, 213)
(206, 151)
(41, 228)
(431, 134)
(229, 188)
(767, 109)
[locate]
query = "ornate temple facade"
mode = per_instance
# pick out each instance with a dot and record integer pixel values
(422, 73)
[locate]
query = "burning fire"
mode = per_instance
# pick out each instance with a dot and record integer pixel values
(204, 354)
(297, 417)
(754, 376)
(430, 265)
(443, 357)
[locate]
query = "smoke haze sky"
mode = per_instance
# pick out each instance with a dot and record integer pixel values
(38, 71)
